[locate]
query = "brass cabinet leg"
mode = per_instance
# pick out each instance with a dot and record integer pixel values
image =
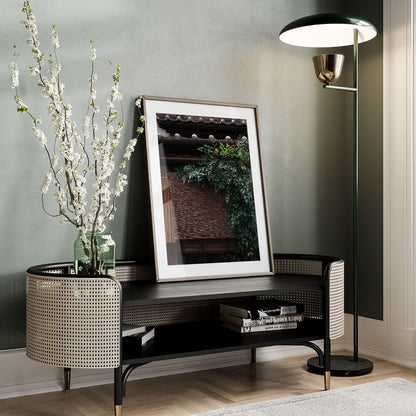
(67, 378)
(118, 391)
(327, 376)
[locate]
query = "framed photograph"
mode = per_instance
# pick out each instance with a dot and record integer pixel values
(209, 213)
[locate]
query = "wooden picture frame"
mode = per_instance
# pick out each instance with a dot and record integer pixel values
(207, 197)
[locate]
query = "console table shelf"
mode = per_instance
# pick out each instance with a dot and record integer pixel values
(199, 338)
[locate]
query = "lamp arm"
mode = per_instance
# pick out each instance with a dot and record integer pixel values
(335, 87)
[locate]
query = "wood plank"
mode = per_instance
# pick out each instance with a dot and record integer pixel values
(190, 393)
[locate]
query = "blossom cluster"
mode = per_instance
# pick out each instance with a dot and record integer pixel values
(74, 159)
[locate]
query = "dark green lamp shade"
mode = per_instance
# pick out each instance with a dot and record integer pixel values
(327, 30)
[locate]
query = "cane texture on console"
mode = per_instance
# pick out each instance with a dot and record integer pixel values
(73, 321)
(295, 264)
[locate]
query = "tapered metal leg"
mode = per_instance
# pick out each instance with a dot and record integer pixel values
(67, 378)
(118, 391)
(253, 356)
(327, 380)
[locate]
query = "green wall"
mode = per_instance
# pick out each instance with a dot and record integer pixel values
(370, 264)
(212, 50)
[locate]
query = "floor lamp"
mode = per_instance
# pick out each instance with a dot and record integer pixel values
(334, 30)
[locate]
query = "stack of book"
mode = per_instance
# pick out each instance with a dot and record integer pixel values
(261, 315)
(142, 334)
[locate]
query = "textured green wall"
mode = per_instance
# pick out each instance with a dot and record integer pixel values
(370, 265)
(211, 50)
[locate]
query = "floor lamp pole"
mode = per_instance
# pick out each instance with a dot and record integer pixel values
(355, 196)
(342, 365)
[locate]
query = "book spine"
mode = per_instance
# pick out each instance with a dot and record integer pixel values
(286, 310)
(273, 327)
(235, 310)
(262, 321)
(261, 328)
(148, 336)
(131, 330)
(279, 310)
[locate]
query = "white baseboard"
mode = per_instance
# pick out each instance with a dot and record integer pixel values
(378, 339)
(22, 376)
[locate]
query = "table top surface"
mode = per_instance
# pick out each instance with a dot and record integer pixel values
(150, 292)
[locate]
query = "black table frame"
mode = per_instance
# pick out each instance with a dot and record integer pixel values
(149, 293)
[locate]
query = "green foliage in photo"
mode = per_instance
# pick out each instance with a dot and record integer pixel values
(226, 167)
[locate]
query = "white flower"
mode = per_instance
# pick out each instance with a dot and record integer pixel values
(93, 54)
(15, 75)
(117, 95)
(138, 102)
(30, 25)
(121, 182)
(21, 106)
(40, 136)
(55, 40)
(55, 160)
(34, 70)
(86, 126)
(93, 79)
(130, 148)
(37, 52)
(46, 182)
(56, 70)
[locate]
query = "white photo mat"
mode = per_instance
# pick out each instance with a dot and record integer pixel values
(176, 272)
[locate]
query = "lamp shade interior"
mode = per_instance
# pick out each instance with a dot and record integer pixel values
(327, 30)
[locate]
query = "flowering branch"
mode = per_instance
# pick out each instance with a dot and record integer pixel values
(75, 160)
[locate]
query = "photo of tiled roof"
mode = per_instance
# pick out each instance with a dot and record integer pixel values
(196, 127)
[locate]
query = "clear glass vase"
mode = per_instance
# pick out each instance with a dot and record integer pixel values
(94, 254)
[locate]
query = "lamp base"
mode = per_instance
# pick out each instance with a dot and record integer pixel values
(342, 366)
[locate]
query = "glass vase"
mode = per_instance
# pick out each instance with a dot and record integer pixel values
(94, 254)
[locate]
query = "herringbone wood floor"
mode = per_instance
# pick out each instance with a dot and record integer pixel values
(186, 394)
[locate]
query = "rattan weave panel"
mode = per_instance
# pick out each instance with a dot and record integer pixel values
(336, 296)
(73, 322)
(298, 266)
(170, 313)
(129, 272)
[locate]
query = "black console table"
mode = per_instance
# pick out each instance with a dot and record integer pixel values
(185, 314)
